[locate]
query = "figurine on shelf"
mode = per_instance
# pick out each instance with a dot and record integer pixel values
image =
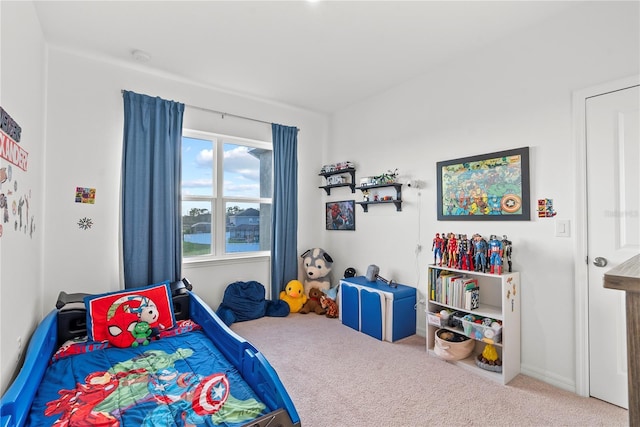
(445, 253)
(365, 195)
(506, 250)
(452, 250)
(480, 249)
(471, 250)
(495, 255)
(465, 262)
(438, 249)
(389, 177)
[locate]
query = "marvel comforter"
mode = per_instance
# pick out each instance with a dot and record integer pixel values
(199, 373)
(179, 380)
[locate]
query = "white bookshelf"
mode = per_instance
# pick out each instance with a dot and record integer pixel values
(499, 299)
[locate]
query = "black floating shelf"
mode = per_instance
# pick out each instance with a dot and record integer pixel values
(328, 188)
(350, 171)
(397, 201)
(365, 205)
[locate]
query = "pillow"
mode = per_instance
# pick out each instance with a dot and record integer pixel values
(130, 317)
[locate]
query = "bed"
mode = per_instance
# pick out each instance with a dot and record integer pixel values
(183, 368)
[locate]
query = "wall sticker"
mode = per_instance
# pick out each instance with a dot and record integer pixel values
(14, 164)
(85, 223)
(545, 208)
(85, 195)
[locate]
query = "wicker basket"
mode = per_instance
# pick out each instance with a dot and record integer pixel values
(452, 346)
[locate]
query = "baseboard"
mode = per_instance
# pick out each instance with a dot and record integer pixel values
(563, 383)
(421, 332)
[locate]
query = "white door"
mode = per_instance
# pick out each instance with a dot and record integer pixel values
(613, 221)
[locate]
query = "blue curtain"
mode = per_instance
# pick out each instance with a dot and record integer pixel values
(151, 173)
(284, 214)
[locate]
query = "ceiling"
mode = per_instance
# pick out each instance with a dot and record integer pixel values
(321, 56)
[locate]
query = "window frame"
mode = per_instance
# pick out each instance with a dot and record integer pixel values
(218, 200)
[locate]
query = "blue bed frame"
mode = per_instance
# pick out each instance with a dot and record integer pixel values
(252, 365)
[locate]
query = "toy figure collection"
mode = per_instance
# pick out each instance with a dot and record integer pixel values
(472, 254)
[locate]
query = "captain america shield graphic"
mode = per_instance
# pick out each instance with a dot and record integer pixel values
(210, 394)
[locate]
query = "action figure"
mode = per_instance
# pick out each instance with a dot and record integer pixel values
(506, 249)
(452, 250)
(438, 248)
(445, 250)
(495, 255)
(464, 257)
(480, 245)
(471, 250)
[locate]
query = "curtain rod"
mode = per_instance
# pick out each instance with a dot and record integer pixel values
(222, 113)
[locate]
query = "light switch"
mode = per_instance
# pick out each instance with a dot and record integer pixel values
(563, 228)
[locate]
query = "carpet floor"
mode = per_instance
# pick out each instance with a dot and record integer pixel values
(339, 377)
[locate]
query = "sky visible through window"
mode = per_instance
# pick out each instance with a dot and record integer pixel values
(241, 170)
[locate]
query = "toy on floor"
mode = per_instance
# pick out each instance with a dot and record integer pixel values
(317, 265)
(330, 306)
(313, 303)
(293, 295)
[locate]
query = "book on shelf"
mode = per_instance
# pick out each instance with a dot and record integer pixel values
(471, 295)
(454, 289)
(448, 288)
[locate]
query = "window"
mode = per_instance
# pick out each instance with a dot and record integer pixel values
(226, 195)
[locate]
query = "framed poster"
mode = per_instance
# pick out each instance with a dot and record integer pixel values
(491, 187)
(340, 215)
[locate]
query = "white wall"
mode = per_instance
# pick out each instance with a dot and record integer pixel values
(84, 133)
(22, 95)
(512, 94)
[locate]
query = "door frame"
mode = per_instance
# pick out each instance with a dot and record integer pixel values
(581, 273)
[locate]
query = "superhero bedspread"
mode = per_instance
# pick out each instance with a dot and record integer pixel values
(144, 367)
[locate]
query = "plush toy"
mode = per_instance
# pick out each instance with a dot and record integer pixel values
(313, 303)
(317, 266)
(294, 295)
(141, 332)
(330, 306)
(129, 318)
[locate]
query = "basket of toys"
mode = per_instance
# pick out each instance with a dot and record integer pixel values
(450, 345)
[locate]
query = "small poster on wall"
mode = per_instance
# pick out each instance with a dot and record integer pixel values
(85, 195)
(340, 215)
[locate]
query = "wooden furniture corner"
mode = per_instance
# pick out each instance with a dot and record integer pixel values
(626, 277)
